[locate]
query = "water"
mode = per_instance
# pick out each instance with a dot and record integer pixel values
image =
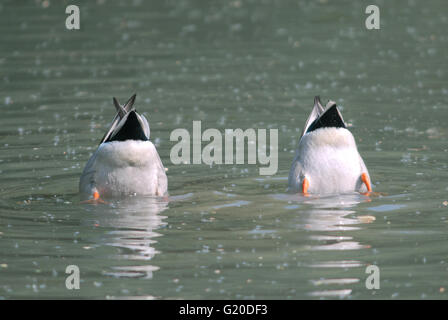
(226, 232)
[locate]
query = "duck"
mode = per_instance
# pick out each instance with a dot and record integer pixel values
(126, 162)
(327, 160)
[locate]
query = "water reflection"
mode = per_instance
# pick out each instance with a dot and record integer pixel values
(333, 214)
(331, 222)
(132, 223)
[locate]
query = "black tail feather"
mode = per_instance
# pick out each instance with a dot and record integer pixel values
(331, 118)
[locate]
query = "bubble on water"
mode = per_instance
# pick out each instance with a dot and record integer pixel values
(188, 29)
(236, 27)
(282, 32)
(308, 85)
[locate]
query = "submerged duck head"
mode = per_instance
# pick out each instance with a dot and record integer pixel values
(128, 124)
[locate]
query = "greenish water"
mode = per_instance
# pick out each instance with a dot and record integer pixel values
(227, 232)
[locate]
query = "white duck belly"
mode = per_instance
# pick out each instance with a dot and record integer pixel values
(328, 158)
(124, 168)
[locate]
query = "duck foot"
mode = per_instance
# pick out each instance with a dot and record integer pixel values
(95, 200)
(373, 194)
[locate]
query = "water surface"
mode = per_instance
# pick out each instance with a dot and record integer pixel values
(226, 232)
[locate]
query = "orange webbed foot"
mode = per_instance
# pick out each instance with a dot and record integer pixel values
(305, 186)
(374, 194)
(95, 200)
(365, 179)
